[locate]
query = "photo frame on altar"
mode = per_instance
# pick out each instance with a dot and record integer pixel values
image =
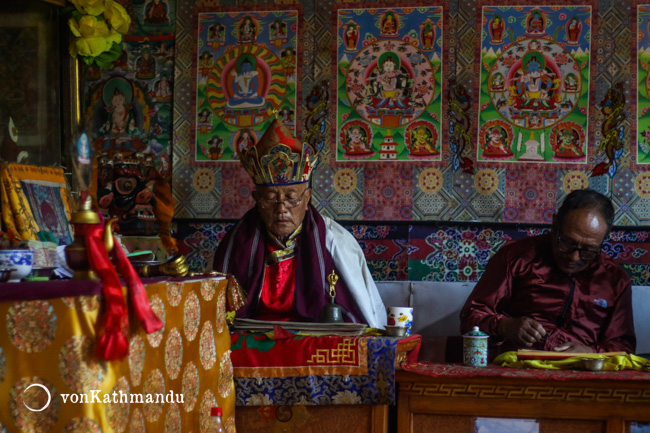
(35, 199)
(246, 74)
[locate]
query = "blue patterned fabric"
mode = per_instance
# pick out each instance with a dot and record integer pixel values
(377, 387)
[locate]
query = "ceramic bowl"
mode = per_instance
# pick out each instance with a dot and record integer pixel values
(593, 364)
(396, 331)
(19, 260)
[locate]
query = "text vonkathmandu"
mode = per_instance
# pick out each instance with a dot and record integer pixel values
(117, 397)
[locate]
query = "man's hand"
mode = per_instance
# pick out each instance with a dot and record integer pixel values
(572, 346)
(522, 331)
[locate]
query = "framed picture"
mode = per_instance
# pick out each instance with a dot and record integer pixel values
(389, 64)
(35, 199)
(246, 74)
(31, 122)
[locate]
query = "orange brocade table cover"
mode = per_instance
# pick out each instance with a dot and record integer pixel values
(47, 362)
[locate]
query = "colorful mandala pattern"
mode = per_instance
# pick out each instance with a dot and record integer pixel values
(203, 180)
(174, 292)
(154, 384)
(221, 311)
(173, 353)
(208, 350)
(158, 307)
(574, 180)
(430, 180)
(190, 386)
(82, 303)
(31, 326)
(136, 359)
(642, 184)
(191, 316)
(486, 181)
(207, 403)
(36, 398)
(208, 289)
(82, 425)
(137, 422)
(225, 375)
(80, 369)
(118, 412)
(173, 419)
(345, 180)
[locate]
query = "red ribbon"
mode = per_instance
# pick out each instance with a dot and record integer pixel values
(114, 344)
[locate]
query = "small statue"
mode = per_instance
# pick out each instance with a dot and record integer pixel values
(332, 313)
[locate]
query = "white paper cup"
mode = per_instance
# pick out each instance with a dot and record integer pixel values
(401, 316)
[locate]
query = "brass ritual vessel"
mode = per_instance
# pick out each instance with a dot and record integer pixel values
(76, 253)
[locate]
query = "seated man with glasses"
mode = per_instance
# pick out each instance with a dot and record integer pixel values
(557, 291)
(282, 250)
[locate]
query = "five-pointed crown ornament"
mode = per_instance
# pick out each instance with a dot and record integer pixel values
(278, 158)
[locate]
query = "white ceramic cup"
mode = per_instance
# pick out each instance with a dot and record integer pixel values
(401, 316)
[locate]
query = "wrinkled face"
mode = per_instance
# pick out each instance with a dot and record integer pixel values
(281, 219)
(582, 228)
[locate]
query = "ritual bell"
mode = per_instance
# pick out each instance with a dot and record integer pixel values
(332, 312)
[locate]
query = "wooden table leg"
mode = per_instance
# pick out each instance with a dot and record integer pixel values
(380, 418)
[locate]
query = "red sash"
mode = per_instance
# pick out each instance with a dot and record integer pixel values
(114, 344)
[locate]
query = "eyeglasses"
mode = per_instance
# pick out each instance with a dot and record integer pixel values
(569, 247)
(288, 202)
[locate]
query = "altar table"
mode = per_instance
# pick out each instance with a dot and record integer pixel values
(448, 398)
(46, 344)
(288, 382)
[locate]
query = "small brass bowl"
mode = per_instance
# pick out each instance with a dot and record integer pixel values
(593, 364)
(396, 331)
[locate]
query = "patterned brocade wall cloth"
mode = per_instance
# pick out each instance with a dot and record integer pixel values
(429, 251)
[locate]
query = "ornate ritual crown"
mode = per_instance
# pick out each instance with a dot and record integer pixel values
(278, 158)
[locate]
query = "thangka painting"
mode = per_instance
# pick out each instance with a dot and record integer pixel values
(48, 208)
(389, 75)
(246, 68)
(643, 84)
(129, 108)
(534, 86)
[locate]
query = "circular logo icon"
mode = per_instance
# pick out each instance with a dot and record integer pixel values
(49, 397)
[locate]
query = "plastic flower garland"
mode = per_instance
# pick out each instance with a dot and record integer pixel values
(98, 26)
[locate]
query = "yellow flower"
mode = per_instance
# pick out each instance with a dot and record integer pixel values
(89, 46)
(117, 16)
(89, 7)
(114, 37)
(89, 27)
